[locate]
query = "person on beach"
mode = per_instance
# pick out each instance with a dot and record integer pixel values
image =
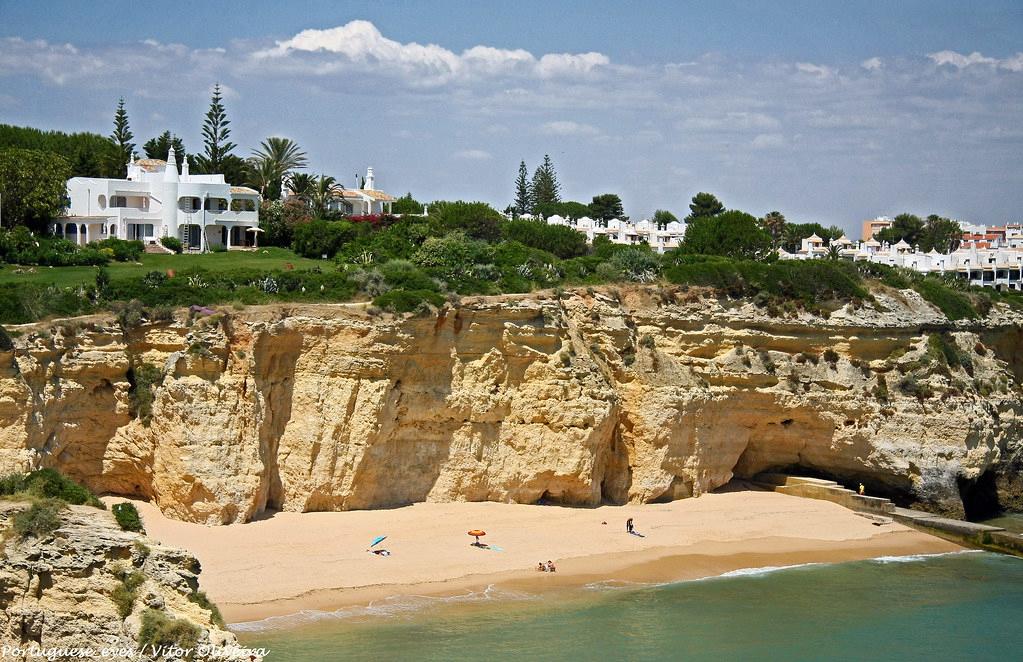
(540, 567)
(629, 528)
(862, 489)
(550, 566)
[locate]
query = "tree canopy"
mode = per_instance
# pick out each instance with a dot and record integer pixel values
(33, 186)
(733, 234)
(703, 205)
(523, 191)
(607, 206)
(90, 154)
(662, 217)
(937, 232)
(159, 147)
(215, 134)
(406, 204)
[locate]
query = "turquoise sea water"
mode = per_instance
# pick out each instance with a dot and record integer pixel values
(966, 606)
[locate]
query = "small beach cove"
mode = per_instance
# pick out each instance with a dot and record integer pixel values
(291, 563)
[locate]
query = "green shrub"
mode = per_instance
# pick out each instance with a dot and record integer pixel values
(122, 250)
(39, 519)
(172, 243)
(48, 484)
(203, 601)
(143, 380)
(560, 240)
(159, 629)
(125, 594)
(954, 305)
(127, 516)
(322, 238)
(406, 301)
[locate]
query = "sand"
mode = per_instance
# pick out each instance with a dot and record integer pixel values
(293, 561)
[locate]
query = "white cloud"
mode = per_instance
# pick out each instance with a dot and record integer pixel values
(1014, 63)
(361, 43)
(768, 141)
(568, 128)
(473, 155)
(960, 61)
(818, 70)
(872, 64)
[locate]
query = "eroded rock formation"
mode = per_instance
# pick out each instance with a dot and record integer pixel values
(641, 395)
(68, 590)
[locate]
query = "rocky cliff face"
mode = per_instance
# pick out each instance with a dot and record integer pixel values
(641, 395)
(66, 590)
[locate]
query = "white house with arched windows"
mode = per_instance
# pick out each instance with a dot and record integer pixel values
(156, 201)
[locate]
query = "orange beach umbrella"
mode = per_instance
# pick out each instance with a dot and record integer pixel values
(476, 533)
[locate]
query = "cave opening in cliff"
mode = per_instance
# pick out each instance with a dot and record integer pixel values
(979, 496)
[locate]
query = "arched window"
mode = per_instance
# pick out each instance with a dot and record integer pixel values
(102, 201)
(113, 230)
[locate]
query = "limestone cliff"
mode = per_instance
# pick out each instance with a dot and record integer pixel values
(579, 397)
(88, 584)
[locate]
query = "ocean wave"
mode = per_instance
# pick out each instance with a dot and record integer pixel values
(617, 585)
(388, 607)
(763, 570)
(911, 558)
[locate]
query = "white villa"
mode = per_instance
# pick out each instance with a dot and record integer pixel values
(646, 231)
(154, 201)
(366, 201)
(989, 267)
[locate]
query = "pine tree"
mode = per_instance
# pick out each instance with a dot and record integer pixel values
(215, 134)
(158, 147)
(546, 190)
(121, 137)
(523, 194)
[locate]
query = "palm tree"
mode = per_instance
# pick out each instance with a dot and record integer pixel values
(278, 156)
(302, 185)
(774, 223)
(261, 175)
(324, 190)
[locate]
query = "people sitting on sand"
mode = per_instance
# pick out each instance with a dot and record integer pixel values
(380, 552)
(540, 567)
(550, 567)
(629, 528)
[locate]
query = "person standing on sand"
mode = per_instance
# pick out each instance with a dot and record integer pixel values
(629, 528)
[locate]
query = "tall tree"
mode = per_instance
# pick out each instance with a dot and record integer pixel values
(733, 234)
(275, 158)
(545, 189)
(774, 223)
(523, 193)
(158, 148)
(905, 227)
(215, 134)
(33, 187)
(703, 205)
(940, 234)
(121, 137)
(606, 206)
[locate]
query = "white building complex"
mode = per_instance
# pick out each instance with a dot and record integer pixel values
(155, 201)
(1000, 265)
(660, 239)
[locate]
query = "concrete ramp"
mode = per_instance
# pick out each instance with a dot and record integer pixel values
(826, 490)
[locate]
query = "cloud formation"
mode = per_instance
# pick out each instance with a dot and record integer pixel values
(833, 141)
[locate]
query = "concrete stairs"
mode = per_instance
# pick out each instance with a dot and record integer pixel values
(157, 247)
(826, 490)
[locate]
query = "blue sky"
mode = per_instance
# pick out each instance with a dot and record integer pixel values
(830, 112)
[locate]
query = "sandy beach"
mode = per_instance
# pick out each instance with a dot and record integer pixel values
(294, 561)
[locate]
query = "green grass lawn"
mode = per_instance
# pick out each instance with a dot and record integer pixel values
(265, 258)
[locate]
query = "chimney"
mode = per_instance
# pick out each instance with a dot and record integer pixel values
(369, 179)
(184, 169)
(170, 173)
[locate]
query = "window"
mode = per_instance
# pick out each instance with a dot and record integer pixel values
(118, 201)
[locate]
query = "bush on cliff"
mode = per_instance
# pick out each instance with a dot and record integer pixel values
(128, 518)
(47, 484)
(160, 630)
(39, 519)
(143, 380)
(203, 601)
(125, 594)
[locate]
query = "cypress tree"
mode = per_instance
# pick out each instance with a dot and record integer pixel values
(523, 193)
(215, 134)
(121, 137)
(546, 190)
